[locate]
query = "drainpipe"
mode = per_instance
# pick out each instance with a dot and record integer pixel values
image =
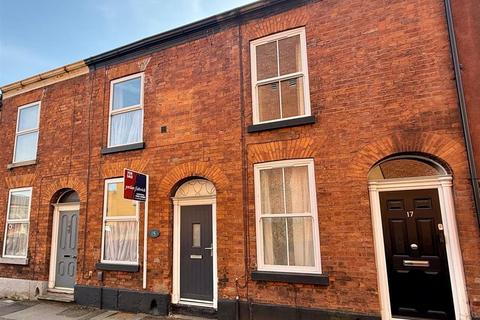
(463, 107)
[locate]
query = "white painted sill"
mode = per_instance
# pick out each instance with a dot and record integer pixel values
(17, 261)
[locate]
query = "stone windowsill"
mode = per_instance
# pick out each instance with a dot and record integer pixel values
(18, 261)
(287, 123)
(129, 147)
(117, 267)
(290, 277)
(21, 164)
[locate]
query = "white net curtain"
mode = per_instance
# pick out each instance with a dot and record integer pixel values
(286, 217)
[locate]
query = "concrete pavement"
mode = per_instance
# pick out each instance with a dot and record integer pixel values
(46, 310)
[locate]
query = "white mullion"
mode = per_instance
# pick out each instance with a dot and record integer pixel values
(24, 132)
(126, 109)
(280, 78)
(290, 215)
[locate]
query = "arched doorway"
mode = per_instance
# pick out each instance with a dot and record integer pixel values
(63, 255)
(194, 244)
(419, 263)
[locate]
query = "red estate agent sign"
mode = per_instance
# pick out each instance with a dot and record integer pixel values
(135, 185)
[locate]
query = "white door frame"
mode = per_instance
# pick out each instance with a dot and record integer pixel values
(193, 201)
(455, 264)
(53, 252)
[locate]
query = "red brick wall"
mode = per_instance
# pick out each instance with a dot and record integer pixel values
(380, 83)
(467, 32)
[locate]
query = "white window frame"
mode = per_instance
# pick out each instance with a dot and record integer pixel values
(126, 109)
(8, 220)
(24, 132)
(304, 72)
(124, 218)
(317, 269)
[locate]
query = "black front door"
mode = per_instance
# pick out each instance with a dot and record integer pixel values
(417, 266)
(196, 253)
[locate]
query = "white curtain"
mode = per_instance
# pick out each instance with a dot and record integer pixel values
(17, 237)
(296, 231)
(121, 238)
(126, 128)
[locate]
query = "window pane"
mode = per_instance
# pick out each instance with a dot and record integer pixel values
(121, 241)
(19, 203)
(16, 241)
(126, 93)
(300, 242)
(28, 118)
(297, 192)
(290, 56)
(267, 65)
(117, 206)
(292, 98)
(271, 184)
(126, 128)
(196, 238)
(274, 241)
(269, 101)
(26, 147)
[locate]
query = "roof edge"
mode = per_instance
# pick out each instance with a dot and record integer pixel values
(193, 27)
(45, 78)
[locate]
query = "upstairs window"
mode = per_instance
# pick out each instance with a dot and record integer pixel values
(26, 138)
(280, 77)
(15, 243)
(126, 111)
(286, 214)
(120, 226)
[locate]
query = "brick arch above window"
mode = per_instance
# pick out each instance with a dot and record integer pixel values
(445, 149)
(19, 181)
(115, 169)
(282, 150)
(193, 169)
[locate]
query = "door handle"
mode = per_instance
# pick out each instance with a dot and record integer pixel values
(211, 250)
(67, 256)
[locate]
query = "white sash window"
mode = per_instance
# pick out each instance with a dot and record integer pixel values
(286, 214)
(15, 244)
(126, 111)
(280, 86)
(120, 225)
(26, 138)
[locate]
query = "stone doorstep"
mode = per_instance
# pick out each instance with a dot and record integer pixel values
(57, 296)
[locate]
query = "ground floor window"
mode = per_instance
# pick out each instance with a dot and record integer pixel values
(120, 225)
(15, 244)
(286, 213)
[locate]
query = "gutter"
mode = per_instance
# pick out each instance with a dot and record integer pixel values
(463, 108)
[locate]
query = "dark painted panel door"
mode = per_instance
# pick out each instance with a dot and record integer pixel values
(66, 268)
(418, 276)
(196, 255)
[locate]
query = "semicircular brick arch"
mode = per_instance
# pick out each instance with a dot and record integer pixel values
(194, 169)
(115, 169)
(49, 189)
(280, 150)
(439, 146)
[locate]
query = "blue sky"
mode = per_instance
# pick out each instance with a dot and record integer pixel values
(36, 36)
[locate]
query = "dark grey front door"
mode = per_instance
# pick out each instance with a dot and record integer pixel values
(66, 268)
(196, 254)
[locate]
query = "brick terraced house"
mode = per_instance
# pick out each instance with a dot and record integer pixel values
(307, 160)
